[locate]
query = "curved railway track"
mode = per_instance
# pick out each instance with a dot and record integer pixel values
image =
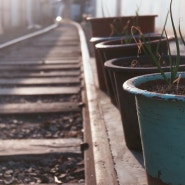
(41, 109)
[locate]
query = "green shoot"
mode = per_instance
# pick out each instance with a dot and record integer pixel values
(156, 57)
(183, 41)
(119, 29)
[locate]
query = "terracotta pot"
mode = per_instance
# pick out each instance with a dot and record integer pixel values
(101, 26)
(116, 48)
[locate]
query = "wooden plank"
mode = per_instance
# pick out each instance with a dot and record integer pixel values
(40, 67)
(34, 58)
(62, 52)
(39, 146)
(30, 108)
(33, 62)
(62, 58)
(40, 74)
(90, 177)
(63, 42)
(62, 184)
(40, 81)
(39, 90)
(103, 162)
(104, 166)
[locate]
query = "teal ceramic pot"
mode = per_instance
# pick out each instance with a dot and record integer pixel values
(162, 126)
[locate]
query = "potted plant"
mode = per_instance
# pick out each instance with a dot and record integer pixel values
(123, 47)
(160, 103)
(122, 69)
(115, 26)
(107, 28)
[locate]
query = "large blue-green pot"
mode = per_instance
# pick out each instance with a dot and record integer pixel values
(116, 48)
(162, 126)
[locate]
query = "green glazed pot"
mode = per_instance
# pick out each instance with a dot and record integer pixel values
(162, 127)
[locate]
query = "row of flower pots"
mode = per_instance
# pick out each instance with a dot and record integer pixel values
(102, 31)
(151, 104)
(101, 27)
(116, 48)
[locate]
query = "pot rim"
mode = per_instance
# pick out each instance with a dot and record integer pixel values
(115, 17)
(109, 64)
(103, 39)
(131, 86)
(105, 44)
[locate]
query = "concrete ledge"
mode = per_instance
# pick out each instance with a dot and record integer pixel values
(114, 163)
(104, 166)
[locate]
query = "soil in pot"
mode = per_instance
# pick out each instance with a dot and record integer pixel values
(160, 86)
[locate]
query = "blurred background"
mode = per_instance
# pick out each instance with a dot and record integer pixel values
(35, 14)
(144, 7)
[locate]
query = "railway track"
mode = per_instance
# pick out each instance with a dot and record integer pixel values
(41, 109)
